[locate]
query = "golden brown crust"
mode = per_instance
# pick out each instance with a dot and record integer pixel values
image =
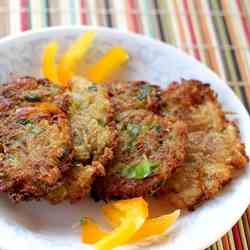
(36, 149)
(77, 183)
(134, 95)
(94, 138)
(214, 151)
(28, 91)
(195, 103)
(31, 163)
(91, 114)
(156, 138)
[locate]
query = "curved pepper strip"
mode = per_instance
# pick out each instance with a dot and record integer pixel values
(50, 69)
(135, 212)
(72, 56)
(151, 227)
(91, 232)
(155, 226)
(113, 215)
(107, 65)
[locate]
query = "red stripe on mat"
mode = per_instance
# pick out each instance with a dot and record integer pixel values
(83, 12)
(133, 16)
(244, 21)
(191, 29)
(237, 239)
(24, 15)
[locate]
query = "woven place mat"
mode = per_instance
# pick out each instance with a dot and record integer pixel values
(216, 32)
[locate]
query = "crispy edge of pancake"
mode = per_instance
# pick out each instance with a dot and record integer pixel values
(195, 103)
(201, 177)
(134, 95)
(115, 186)
(28, 91)
(34, 174)
(77, 183)
(91, 114)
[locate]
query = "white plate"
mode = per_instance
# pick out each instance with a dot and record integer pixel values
(38, 225)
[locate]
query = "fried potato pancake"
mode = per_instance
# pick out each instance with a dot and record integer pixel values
(150, 148)
(91, 114)
(35, 143)
(94, 137)
(214, 151)
(35, 149)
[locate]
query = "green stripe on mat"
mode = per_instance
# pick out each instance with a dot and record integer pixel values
(45, 10)
(167, 23)
(72, 7)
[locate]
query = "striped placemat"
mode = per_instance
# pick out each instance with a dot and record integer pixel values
(216, 32)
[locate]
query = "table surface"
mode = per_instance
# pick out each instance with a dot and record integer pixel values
(216, 32)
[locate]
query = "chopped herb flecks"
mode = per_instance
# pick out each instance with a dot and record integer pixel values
(133, 130)
(32, 97)
(24, 122)
(92, 88)
(144, 92)
(82, 220)
(158, 128)
(101, 122)
(141, 170)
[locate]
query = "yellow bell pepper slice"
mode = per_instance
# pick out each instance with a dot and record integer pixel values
(91, 232)
(50, 69)
(72, 56)
(155, 226)
(135, 212)
(113, 215)
(107, 65)
(151, 227)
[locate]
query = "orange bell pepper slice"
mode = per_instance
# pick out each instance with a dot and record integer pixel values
(91, 232)
(113, 215)
(151, 227)
(155, 226)
(107, 65)
(72, 56)
(135, 212)
(49, 67)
